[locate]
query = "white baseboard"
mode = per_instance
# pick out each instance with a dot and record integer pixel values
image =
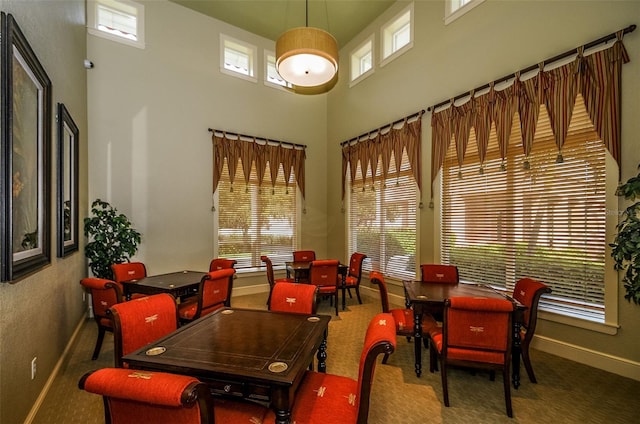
(54, 373)
(600, 360)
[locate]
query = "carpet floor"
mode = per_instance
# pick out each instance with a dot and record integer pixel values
(566, 392)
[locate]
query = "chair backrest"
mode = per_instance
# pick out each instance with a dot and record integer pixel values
(376, 277)
(221, 263)
(270, 276)
(294, 297)
(477, 329)
(304, 255)
(128, 271)
(355, 265)
(324, 272)
(528, 291)
(214, 291)
(145, 397)
(380, 338)
(439, 273)
(141, 321)
(104, 294)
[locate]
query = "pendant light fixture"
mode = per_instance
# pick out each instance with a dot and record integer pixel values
(307, 58)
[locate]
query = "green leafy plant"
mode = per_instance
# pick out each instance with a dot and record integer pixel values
(626, 246)
(112, 240)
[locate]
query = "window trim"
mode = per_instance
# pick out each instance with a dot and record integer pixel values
(356, 55)
(253, 59)
(384, 60)
(121, 5)
(283, 87)
(451, 14)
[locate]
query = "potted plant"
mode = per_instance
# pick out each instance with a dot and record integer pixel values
(112, 240)
(626, 246)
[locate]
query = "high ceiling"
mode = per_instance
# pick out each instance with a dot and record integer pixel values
(344, 19)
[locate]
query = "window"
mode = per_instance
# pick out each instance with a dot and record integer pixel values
(255, 219)
(382, 220)
(362, 61)
(531, 216)
(118, 20)
(397, 35)
(271, 75)
(453, 9)
(238, 58)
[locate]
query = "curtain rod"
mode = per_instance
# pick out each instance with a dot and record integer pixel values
(397, 121)
(286, 143)
(594, 43)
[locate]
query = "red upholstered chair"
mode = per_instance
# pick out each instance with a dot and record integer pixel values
(304, 255)
(352, 279)
(476, 333)
(141, 321)
(324, 275)
(403, 317)
(271, 278)
(145, 397)
(104, 294)
(221, 263)
(439, 273)
(528, 291)
(214, 292)
(293, 297)
(128, 271)
(327, 398)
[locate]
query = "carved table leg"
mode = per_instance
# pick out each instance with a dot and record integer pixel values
(322, 355)
(417, 326)
(515, 354)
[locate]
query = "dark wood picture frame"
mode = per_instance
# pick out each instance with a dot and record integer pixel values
(67, 172)
(26, 156)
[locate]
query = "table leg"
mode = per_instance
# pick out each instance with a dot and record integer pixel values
(322, 355)
(516, 350)
(283, 416)
(417, 343)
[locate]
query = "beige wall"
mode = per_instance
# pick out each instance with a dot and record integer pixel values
(39, 313)
(495, 39)
(150, 150)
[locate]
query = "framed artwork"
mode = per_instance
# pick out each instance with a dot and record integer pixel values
(26, 137)
(67, 204)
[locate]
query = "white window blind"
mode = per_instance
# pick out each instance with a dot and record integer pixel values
(546, 222)
(382, 220)
(255, 220)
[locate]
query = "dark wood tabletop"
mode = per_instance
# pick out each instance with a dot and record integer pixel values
(300, 270)
(179, 284)
(430, 298)
(254, 354)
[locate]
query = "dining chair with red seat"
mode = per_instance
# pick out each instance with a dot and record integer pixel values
(328, 398)
(145, 397)
(293, 297)
(141, 321)
(128, 271)
(354, 274)
(439, 273)
(528, 292)
(104, 294)
(221, 263)
(324, 275)
(403, 317)
(214, 292)
(304, 255)
(271, 277)
(476, 333)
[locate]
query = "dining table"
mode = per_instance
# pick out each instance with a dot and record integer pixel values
(179, 284)
(300, 272)
(430, 298)
(253, 354)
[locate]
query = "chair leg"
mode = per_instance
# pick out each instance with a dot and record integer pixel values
(527, 364)
(358, 295)
(96, 351)
(349, 291)
(385, 358)
(336, 302)
(445, 389)
(507, 391)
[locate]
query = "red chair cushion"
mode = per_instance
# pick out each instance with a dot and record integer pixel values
(292, 297)
(237, 412)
